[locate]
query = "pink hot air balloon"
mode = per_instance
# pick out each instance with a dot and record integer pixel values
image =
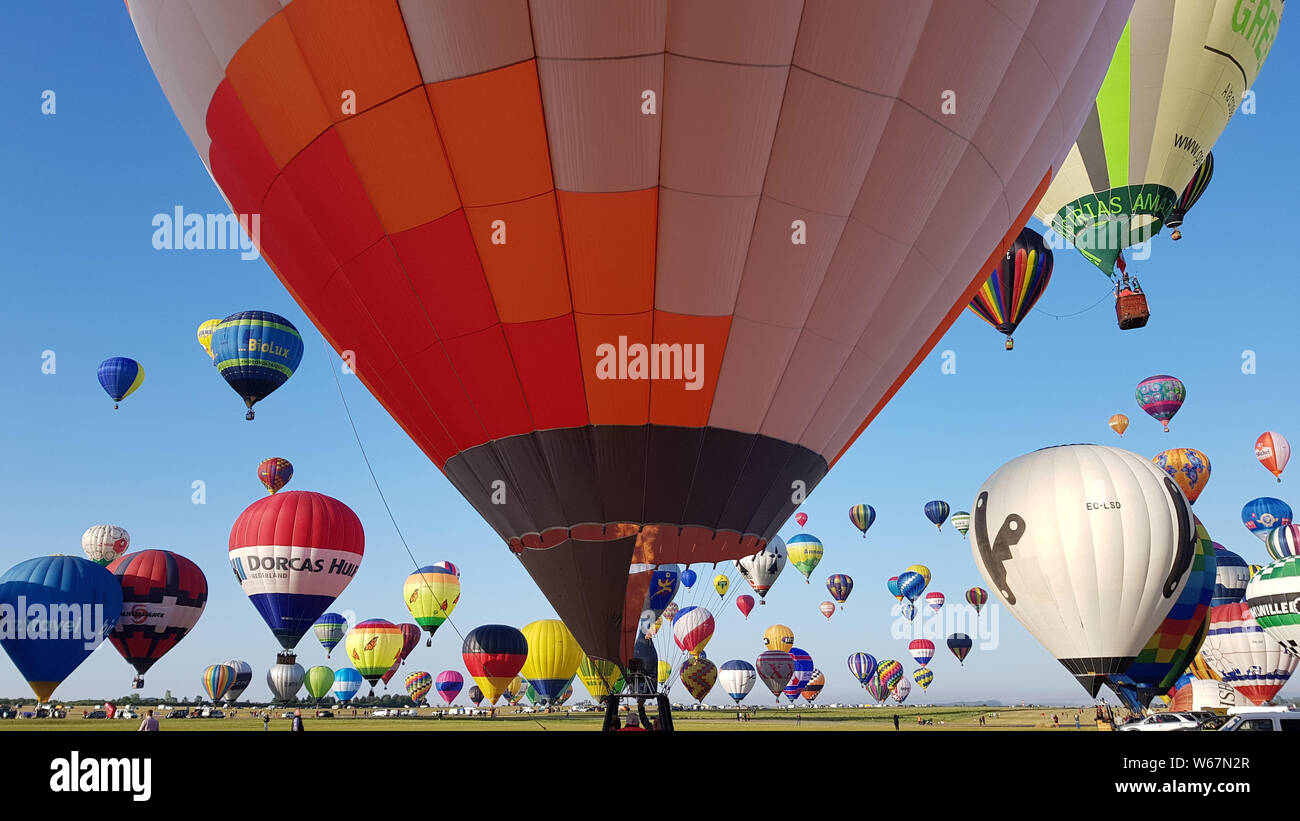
(935, 600)
(744, 604)
(449, 684)
(801, 518)
(827, 608)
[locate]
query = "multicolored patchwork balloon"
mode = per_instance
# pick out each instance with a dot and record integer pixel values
(890, 673)
(418, 685)
(977, 597)
(274, 473)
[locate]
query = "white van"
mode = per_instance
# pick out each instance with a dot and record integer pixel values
(1265, 720)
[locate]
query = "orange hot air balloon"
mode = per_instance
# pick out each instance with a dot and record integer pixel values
(1119, 423)
(1273, 451)
(602, 301)
(1188, 467)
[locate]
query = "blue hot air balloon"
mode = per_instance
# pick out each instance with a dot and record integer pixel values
(1231, 575)
(937, 512)
(330, 629)
(688, 578)
(347, 681)
(61, 608)
(256, 352)
(803, 671)
(1264, 515)
(120, 377)
(911, 584)
(663, 586)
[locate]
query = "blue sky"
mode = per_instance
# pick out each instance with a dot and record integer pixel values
(82, 279)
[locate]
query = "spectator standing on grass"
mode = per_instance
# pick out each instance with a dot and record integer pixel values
(150, 724)
(266, 720)
(296, 726)
(895, 721)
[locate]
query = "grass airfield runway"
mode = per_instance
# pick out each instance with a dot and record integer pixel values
(837, 719)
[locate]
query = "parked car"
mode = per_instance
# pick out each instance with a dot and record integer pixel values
(1281, 721)
(287, 714)
(97, 714)
(1162, 722)
(178, 714)
(127, 713)
(383, 713)
(324, 714)
(1212, 723)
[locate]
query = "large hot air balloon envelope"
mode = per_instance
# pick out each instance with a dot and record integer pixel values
(1237, 648)
(104, 543)
(1014, 284)
(120, 377)
(1042, 518)
(494, 654)
(1176, 78)
(54, 583)
(553, 657)
(256, 352)
(862, 517)
(274, 473)
(598, 676)
(163, 596)
(1261, 516)
(1188, 467)
(431, 594)
(737, 678)
(1161, 396)
(498, 238)
(1273, 597)
(294, 553)
(804, 552)
(1273, 452)
(217, 680)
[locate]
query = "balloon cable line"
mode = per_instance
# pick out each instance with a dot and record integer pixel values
(373, 477)
(1109, 292)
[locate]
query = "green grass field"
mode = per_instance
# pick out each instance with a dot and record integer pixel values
(952, 718)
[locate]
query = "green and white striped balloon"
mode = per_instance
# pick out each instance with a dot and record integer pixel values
(1273, 596)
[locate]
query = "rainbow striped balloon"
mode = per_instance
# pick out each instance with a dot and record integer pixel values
(418, 685)
(1020, 278)
(217, 680)
(862, 517)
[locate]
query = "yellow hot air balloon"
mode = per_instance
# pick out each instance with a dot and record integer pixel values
(374, 646)
(923, 570)
(598, 676)
(1188, 467)
(431, 594)
(1119, 423)
(778, 637)
(205, 335)
(513, 691)
(665, 670)
(721, 583)
(1176, 78)
(553, 657)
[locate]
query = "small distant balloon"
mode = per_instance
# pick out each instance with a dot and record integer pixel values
(1273, 451)
(827, 608)
(862, 517)
(801, 518)
(744, 604)
(120, 377)
(274, 473)
(937, 512)
(1119, 423)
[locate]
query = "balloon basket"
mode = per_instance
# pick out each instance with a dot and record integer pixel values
(1131, 309)
(1176, 235)
(137, 683)
(1011, 343)
(249, 416)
